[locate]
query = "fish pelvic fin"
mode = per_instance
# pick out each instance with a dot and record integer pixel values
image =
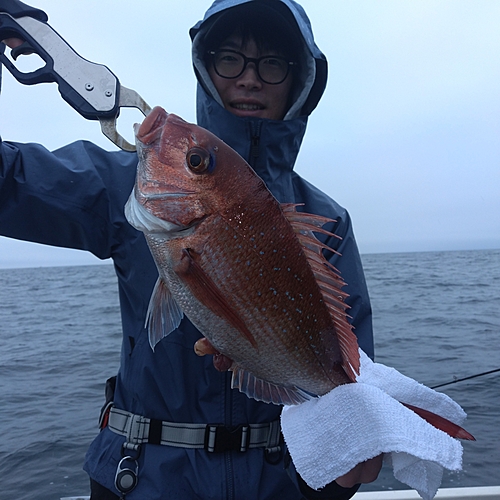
(441, 423)
(329, 281)
(261, 390)
(164, 314)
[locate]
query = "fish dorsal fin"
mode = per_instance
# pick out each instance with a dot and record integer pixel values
(328, 279)
(164, 314)
(261, 390)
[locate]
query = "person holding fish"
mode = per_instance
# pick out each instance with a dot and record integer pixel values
(174, 427)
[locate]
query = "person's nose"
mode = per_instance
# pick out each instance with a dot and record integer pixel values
(249, 78)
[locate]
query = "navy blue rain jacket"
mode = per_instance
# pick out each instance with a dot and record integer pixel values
(74, 197)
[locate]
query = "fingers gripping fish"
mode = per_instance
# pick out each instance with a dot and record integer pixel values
(246, 270)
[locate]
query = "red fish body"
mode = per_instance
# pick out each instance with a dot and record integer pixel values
(248, 272)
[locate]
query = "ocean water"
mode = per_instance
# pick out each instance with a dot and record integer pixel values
(436, 318)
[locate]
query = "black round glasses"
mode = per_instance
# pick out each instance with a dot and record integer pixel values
(231, 64)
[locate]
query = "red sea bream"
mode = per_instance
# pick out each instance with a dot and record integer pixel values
(246, 270)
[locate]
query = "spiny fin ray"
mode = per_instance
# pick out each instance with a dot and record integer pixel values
(329, 281)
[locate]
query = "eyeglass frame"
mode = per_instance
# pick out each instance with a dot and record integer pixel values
(255, 60)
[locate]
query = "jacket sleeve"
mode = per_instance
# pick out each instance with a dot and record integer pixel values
(72, 197)
(331, 491)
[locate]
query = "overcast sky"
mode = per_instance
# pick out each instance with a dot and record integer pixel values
(406, 137)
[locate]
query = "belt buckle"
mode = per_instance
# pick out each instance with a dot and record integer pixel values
(219, 438)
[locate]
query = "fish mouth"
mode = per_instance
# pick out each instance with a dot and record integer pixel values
(150, 129)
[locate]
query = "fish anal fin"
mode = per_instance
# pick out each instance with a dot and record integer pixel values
(209, 294)
(261, 390)
(164, 314)
(441, 423)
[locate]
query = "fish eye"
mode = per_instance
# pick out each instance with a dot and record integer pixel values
(199, 160)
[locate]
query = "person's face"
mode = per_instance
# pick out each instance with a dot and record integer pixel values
(248, 95)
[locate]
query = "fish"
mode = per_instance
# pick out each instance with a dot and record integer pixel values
(249, 272)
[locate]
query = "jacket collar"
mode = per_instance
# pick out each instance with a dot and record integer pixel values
(269, 146)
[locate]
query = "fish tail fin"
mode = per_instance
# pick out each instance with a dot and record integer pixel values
(441, 423)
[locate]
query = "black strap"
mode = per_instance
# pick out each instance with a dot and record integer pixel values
(155, 427)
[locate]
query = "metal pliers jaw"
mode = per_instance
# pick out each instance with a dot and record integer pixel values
(128, 99)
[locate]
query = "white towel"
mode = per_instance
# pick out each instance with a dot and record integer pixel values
(328, 436)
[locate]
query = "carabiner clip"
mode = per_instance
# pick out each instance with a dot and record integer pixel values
(127, 471)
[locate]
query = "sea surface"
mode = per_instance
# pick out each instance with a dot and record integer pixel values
(436, 319)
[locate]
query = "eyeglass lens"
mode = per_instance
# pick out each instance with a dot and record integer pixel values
(231, 64)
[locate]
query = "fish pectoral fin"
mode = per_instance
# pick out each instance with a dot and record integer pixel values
(209, 294)
(164, 314)
(262, 390)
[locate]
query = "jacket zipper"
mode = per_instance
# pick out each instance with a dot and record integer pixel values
(255, 132)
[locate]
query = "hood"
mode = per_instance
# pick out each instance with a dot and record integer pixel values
(313, 74)
(269, 146)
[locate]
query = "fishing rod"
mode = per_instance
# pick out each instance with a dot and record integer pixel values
(466, 378)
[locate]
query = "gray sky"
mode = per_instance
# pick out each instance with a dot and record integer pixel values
(406, 137)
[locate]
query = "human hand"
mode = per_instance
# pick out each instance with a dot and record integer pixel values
(202, 347)
(364, 472)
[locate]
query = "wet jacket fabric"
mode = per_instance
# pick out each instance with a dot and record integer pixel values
(74, 197)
